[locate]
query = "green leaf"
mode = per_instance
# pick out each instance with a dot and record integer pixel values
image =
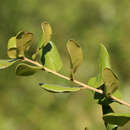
(111, 127)
(6, 63)
(23, 42)
(12, 50)
(58, 89)
(46, 37)
(26, 70)
(104, 59)
(50, 57)
(106, 108)
(75, 53)
(117, 94)
(111, 81)
(117, 118)
(93, 82)
(103, 63)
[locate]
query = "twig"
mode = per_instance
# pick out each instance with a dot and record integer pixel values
(120, 101)
(83, 86)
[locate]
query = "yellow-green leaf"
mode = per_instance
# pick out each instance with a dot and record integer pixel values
(23, 42)
(45, 38)
(12, 50)
(58, 89)
(111, 81)
(47, 32)
(76, 55)
(26, 70)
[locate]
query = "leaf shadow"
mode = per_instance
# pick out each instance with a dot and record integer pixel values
(47, 48)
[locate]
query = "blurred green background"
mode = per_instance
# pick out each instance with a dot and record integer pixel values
(23, 104)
